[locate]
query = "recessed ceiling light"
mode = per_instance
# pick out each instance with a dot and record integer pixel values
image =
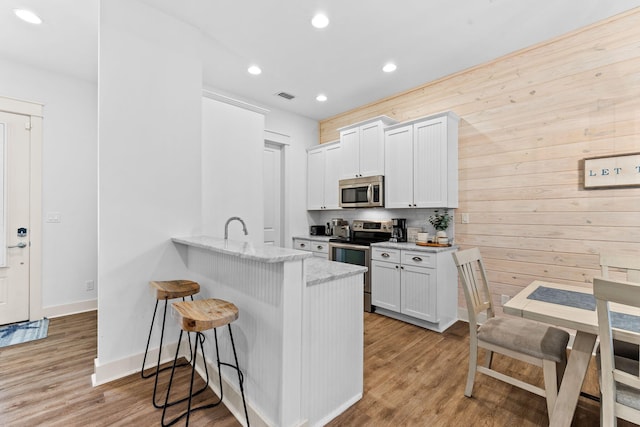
(320, 21)
(254, 69)
(321, 98)
(389, 67)
(27, 16)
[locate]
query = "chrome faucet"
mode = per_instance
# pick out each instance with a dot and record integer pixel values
(226, 226)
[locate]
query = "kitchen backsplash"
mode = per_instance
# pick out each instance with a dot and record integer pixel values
(415, 217)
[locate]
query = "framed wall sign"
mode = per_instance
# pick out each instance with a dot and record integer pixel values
(622, 170)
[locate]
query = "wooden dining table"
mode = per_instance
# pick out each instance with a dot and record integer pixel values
(571, 307)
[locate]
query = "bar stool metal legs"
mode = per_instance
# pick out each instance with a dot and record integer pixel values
(209, 314)
(158, 369)
(166, 290)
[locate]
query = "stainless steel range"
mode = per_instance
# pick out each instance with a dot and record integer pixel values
(355, 249)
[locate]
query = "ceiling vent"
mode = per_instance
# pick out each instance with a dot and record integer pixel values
(285, 95)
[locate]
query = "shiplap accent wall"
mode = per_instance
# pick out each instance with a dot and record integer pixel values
(527, 121)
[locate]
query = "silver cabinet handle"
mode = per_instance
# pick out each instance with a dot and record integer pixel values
(19, 245)
(417, 259)
(385, 255)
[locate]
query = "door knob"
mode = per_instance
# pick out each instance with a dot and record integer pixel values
(19, 245)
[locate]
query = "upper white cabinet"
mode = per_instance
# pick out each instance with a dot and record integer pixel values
(363, 148)
(421, 163)
(323, 170)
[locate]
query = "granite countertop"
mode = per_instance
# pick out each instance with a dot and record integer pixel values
(314, 238)
(245, 250)
(411, 246)
(319, 270)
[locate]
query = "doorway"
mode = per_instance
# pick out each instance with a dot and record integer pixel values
(273, 182)
(20, 210)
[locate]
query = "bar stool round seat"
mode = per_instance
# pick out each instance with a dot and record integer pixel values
(166, 290)
(199, 316)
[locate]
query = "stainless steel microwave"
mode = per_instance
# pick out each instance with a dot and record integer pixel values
(365, 192)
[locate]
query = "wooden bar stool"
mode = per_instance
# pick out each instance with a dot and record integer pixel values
(166, 290)
(198, 316)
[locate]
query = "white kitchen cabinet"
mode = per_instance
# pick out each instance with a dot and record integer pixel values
(363, 148)
(317, 247)
(418, 287)
(323, 169)
(421, 163)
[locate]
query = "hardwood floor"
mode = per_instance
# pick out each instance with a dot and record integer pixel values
(413, 377)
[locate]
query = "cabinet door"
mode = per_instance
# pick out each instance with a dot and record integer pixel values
(418, 293)
(350, 158)
(315, 179)
(371, 149)
(331, 177)
(398, 175)
(430, 163)
(385, 285)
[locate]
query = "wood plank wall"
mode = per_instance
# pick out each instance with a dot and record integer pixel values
(527, 122)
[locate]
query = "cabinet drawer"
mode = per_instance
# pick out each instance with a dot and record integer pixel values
(384, 254)
(302, 244)
(319, 247)
(419, 259)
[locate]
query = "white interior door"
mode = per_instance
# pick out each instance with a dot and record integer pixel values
(14, 217)
(272, 194)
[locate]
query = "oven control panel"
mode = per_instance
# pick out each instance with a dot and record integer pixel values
(385, 226)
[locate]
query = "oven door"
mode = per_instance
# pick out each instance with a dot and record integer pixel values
(357, 255)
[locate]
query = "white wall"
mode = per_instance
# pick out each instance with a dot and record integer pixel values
(149, 165)
(69, 179)
(232, 159)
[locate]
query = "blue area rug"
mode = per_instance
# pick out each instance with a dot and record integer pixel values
(17, 333)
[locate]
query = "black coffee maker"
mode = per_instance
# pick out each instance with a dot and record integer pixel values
(399, 231)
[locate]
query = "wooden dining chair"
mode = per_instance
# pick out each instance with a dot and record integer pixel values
(628, 265)
(539, 344)
(620, 380)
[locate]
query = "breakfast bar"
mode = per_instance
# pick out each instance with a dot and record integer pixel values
(299, 335)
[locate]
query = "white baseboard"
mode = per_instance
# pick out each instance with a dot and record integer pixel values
(68, 309)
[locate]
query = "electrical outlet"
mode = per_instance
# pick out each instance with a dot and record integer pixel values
(90, 285)
(465, 218)
(505, 299)
(54, 217)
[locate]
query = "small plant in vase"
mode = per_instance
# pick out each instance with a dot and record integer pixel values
(440, 222)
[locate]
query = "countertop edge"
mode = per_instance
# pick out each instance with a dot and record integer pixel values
(244, 250)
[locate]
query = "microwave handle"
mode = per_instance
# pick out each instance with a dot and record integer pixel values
(370, 193)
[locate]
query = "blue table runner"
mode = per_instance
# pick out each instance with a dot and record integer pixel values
(584, 301)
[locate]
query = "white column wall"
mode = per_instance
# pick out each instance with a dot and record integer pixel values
(150, 83)
(232, 162)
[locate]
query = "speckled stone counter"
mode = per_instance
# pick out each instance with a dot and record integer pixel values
(314, 238)
(413, 247)
(244, 250)
(318, 270)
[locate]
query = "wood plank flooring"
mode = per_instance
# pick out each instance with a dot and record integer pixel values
(413, 377)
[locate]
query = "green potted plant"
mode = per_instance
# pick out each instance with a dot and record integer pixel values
(440, 222)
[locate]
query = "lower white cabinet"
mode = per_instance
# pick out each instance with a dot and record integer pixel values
(415, 286)
(319, 248)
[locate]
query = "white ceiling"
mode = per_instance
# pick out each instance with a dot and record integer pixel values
(427, 39)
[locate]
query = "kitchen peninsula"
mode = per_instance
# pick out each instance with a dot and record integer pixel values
(300, 332)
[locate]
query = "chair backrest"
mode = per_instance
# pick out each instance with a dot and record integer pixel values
(628, 262)
(616, 377)
(474, 284)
